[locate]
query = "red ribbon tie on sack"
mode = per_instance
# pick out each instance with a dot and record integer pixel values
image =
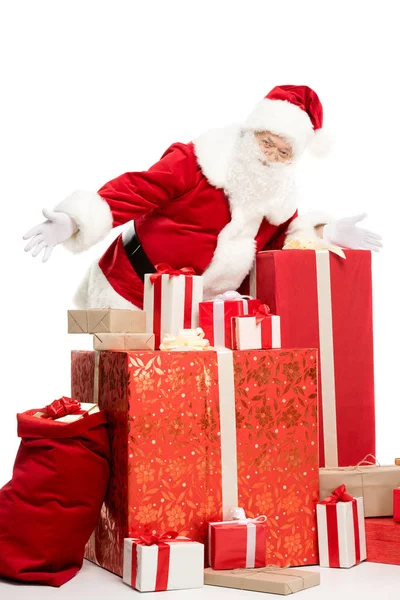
(262, 311)
(60, 408)
(338, 495)
(165, 269)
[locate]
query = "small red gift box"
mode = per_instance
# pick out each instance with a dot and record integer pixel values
(215, 316)
(256, 332)
(237, 544)
(396, 505)
(341, 530)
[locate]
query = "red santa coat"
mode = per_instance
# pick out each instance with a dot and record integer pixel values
(179, 208)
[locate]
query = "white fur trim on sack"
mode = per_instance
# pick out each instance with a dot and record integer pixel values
(282, 118)
(92, 215)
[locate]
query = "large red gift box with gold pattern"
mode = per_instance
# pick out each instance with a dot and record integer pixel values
(194, 434)
(325, 301)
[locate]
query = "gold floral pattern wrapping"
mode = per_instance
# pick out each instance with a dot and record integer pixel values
(164, 426)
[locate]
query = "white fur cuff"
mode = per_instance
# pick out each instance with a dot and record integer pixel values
(92, 215)
(304, 226)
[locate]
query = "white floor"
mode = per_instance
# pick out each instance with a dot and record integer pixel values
(366, 581)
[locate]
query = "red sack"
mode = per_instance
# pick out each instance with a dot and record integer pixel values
(52, 504)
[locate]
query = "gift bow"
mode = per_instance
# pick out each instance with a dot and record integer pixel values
(261, 312)
(338, 495)
(165, 269)
(157, 539)
(231, 295)
(187, 339)
(238, 514)
(60, 408)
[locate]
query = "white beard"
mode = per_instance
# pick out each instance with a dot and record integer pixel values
(257, 189)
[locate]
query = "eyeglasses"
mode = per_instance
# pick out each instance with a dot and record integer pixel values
(279, 153)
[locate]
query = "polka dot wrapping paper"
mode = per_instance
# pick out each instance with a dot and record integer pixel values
(165, 429)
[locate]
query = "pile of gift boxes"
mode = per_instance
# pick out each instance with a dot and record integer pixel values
(262, 400)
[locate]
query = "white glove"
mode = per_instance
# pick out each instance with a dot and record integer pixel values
(58, 228)
(344, 233)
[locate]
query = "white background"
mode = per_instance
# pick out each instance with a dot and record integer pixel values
(91, 89)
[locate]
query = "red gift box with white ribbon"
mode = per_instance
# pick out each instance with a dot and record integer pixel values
(262, 330)
(215, 316)
(237, 544)
(325, 302)
(171, 300)
(341, 530)
(154, 563)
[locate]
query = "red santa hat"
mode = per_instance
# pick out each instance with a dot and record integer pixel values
(295, 113)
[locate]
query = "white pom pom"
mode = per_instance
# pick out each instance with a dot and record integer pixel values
(320, 145)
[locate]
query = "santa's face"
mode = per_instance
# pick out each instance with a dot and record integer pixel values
(275, 148)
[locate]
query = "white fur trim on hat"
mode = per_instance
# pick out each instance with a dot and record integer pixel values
(282, 118)
(320, 144)
(92, 215)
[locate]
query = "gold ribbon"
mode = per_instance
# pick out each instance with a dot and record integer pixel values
(312, 244)
(273, 569)
(187, 339)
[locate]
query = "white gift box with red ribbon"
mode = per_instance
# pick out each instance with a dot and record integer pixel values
(255, 332)
(341, 530)
(171, 301)
(165, 562)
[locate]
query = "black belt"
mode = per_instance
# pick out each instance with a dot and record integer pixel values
(135, 253)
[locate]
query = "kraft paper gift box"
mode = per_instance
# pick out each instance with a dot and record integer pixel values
(268, 580)
(258, 331)
(341, 530)
(325, 301)
(215, 316)
(383, 541)
(194, 434)
(171, 564)
(374, 483)
(171, 301)
(128, 341)
(106, 320)
(237, 544)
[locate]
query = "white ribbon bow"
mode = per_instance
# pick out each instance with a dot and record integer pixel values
(231, 295)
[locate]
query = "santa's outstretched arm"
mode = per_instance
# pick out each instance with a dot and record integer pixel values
(341, 232)
(85, 218)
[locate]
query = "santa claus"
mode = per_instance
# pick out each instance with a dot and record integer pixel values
(210, 204)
